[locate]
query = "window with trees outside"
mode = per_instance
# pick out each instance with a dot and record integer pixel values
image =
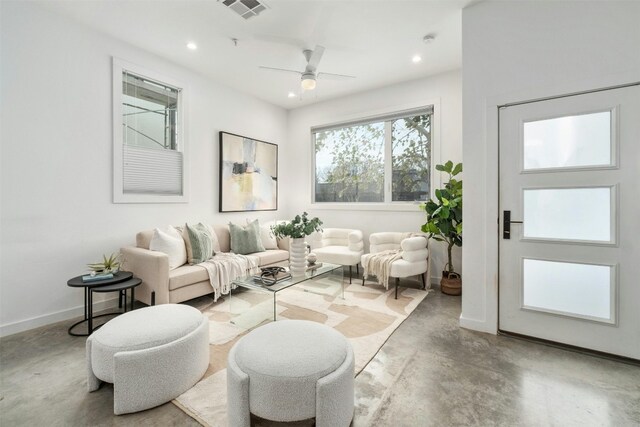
(380, 160)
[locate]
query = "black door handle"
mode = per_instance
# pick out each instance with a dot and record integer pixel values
(506, 224)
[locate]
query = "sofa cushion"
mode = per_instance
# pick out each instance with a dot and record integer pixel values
(170, 242)
(267, 237)
(246, 240)
(271, 256)
(224, 238)
(187, 275)
(200, 242)
(143, 239)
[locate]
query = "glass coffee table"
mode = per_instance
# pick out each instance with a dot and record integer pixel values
(251, 302)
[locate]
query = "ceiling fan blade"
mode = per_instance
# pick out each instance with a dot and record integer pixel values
(314, 60)
(281, 69)
(332, 76)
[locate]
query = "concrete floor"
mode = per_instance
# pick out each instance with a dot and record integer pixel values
(429, 373)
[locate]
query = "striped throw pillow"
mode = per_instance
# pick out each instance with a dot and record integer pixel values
(200, 240)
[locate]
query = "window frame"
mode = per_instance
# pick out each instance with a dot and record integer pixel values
(119, 196)
(372, 116)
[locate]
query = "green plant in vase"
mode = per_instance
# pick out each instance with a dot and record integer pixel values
(301, 226)
(297, 229)
(444, 223)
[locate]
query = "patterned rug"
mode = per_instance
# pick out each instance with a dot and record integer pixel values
(367, 316)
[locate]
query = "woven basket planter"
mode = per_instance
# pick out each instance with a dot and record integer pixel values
(451, 283)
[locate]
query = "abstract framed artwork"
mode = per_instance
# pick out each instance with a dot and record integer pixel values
(248, 174)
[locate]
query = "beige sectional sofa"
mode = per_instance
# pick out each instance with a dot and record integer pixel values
(162, 286)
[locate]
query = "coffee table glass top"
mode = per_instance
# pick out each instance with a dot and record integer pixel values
(250, 282)
(251, 303)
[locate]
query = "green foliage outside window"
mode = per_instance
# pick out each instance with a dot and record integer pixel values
(411, 148)
(350, 161)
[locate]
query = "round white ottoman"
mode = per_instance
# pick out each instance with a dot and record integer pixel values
(151, 355)
(291, 370)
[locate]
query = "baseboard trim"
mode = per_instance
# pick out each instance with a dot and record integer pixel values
(59, 316)
(477, 325)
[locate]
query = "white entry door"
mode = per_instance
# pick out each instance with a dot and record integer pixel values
(570, 171)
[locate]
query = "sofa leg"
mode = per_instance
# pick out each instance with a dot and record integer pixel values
(153, 298)
(350, 275)
(363, 280)
(424, 284)
(357, 269)
(397, 282)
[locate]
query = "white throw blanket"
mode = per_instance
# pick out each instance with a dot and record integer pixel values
(224, 267)
(379, 265)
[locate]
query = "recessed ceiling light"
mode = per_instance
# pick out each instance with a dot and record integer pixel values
(416, 59)
(192, 46)
(291, 95)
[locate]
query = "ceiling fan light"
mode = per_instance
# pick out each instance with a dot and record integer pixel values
(308, 83)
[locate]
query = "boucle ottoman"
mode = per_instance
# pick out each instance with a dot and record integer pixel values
(151, 355)
(291, 370)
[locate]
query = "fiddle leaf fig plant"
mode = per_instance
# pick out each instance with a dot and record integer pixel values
(444, 213)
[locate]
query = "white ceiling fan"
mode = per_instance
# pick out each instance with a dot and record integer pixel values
(310, 74)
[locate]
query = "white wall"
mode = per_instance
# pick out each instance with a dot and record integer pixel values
(515, 51)
(56, 211)
(444, 88)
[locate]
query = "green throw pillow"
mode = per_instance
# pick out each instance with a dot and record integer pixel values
(246, 240)
(200, 241)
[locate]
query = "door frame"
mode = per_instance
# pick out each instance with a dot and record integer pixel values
(490, 210)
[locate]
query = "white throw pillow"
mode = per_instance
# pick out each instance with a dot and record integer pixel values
(267, 237)
(170, 242)
(215, 243)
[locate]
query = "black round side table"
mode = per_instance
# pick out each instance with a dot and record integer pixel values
(121, 282)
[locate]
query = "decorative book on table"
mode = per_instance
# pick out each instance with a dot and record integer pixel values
(271, 278)
(97, 277)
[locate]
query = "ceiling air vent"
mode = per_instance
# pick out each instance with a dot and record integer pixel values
(245, 8)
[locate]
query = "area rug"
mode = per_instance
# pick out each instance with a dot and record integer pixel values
(367, 316)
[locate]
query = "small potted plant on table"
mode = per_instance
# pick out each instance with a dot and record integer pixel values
(444, 223)
(297, 229)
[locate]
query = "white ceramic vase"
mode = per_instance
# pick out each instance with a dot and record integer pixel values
(297, 257)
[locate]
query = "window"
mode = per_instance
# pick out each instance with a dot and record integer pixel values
(381, 160)
(149, 146)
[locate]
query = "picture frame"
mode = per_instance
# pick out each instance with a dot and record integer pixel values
(248, 174)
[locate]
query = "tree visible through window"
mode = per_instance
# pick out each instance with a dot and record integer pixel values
(411, 157)
(355, 164)
(350, 164)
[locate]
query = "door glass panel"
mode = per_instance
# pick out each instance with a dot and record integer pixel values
(568, 288)
(573, 141)
(568, 214)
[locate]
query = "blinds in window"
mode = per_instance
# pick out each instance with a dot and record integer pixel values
(148, 170)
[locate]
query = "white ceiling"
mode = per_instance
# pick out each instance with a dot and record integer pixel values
(372, 40)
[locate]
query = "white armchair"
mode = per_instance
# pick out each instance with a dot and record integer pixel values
(342, 246)
(413, 260)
